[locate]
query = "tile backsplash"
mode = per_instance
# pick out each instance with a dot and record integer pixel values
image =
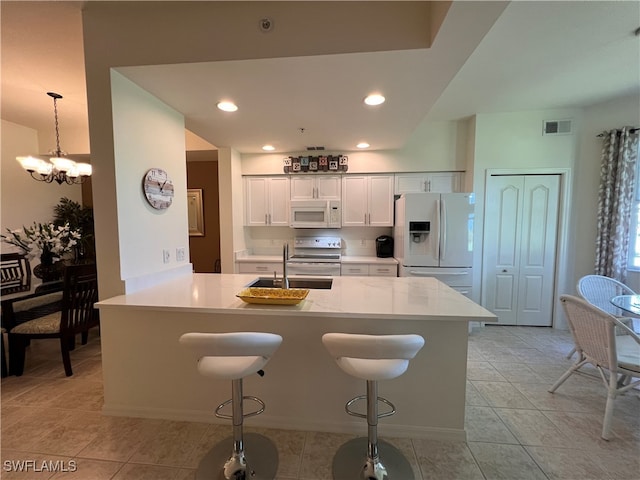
(356, 241)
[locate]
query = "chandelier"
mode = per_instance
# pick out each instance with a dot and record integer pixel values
(58, 168)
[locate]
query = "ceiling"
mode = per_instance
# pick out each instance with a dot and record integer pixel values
(486, 58)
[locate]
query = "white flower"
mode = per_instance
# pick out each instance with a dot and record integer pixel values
(43, 240)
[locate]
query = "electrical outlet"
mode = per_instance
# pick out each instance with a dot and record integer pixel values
(363, 242)
(180, 254)
(166, 256)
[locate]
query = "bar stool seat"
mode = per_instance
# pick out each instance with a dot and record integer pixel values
(371, 358)
(234, 356)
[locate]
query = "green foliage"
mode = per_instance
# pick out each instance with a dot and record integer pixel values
(79, 218)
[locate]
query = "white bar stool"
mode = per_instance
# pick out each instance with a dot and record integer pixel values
(233, 356)
(371, 358)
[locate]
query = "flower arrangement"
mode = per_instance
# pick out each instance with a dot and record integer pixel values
(46, 241)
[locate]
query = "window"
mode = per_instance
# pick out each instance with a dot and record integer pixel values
(634, 241)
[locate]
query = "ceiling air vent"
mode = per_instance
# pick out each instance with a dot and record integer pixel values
(315, 148)
(556, 127)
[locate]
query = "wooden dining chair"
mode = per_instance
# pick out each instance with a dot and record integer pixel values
(78, 315)
(15, 273)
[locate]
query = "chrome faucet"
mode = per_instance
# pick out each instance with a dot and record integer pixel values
(285, 257)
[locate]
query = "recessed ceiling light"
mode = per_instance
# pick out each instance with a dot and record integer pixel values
(363, 145)
(227, 106)
(374, 99)
(269, 148)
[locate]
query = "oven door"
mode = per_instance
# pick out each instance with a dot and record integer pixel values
(315, 269)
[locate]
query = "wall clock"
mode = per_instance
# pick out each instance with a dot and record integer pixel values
(158, 188)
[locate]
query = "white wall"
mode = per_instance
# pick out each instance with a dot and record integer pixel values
(231, 207)
(514, 141)
(147, 134)
(24, 200)
(616, 113)
(433, 147)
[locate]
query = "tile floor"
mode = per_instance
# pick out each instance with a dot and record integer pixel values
(516, 429)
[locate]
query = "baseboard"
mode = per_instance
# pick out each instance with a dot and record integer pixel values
(385, 428)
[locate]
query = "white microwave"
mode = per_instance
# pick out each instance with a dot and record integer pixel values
(315, 214)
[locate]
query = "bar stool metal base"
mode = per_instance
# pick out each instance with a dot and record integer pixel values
(350, 461)
(261, 455)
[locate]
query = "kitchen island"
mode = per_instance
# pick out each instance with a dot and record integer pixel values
(147, 374)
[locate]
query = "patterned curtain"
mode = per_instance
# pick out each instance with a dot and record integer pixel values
(615, 199)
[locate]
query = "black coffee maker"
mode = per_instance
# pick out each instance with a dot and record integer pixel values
(384, 246)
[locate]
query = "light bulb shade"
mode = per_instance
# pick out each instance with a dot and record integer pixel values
(30, 164)
(62, 164)
(44, 168)
(84, 169)
(73, 172)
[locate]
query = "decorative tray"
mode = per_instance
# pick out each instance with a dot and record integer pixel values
(273, 296)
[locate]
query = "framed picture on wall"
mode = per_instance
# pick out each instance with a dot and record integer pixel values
(196, 218)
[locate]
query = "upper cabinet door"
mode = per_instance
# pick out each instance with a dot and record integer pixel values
(439, 182)
(316, 186)
(279, 201)
(367, 200)
(410, 183)
(267, 201)
(381, 201)
(256, 197)
(355, 203)
(302, 187)
(444, 182)
(329, 187)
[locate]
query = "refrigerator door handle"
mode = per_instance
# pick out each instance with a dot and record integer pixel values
(443, 229)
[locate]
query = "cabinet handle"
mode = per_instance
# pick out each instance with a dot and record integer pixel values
(261, 268)
(424, 189)
(266, 219)
(369, 219)
(269, 219)
(365, 218)
(429, 184)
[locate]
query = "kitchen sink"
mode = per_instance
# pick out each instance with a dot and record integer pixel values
(311, 283)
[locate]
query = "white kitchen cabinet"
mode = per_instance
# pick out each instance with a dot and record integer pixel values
(386, 270)
(262, 268)
(354, 269)
(267, 201)
(367, 200)
(369, 269)
(323, 187)
(435, 182)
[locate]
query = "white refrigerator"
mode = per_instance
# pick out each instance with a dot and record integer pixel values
(433, 235)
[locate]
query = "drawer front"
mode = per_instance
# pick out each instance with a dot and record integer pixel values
(347, 269)
(263, 268)
(383, 270)
(466, 291)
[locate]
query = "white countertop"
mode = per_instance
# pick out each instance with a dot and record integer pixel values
(406, 298)
(260, 258)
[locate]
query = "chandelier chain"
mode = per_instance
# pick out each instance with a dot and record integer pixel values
(55, 114)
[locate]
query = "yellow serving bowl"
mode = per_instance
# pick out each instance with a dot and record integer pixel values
(273, 296)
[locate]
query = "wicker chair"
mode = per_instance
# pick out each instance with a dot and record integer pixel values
(594, 333)
(78, 315)
(598, 290)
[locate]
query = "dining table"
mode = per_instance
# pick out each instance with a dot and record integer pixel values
(628, 303)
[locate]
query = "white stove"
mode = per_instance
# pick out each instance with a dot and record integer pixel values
(318, 256)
